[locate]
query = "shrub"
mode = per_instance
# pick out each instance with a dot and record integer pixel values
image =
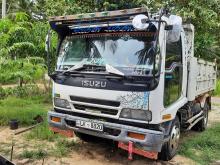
(217, 89)
(21, 92)
(25, 70)
(3, 93)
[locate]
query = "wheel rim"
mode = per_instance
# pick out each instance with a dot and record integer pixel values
(174, 139)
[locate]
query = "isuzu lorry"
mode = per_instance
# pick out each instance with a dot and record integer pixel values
(130, 76)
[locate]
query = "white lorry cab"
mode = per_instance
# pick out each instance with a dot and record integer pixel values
(129, 76)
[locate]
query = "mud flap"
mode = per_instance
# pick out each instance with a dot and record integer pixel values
(131, 149)
(67, 133)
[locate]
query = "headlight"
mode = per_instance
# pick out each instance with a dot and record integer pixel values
(61, 103)
(136, 114)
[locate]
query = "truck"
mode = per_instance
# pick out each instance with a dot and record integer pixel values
(129, 76)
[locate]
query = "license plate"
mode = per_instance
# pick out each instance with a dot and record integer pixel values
(89, 125)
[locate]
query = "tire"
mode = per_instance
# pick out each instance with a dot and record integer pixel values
(169, 149)
(202, 124)
(87, 138)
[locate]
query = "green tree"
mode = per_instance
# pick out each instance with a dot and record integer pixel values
(25, 70)
(22, 37)
(30, 28)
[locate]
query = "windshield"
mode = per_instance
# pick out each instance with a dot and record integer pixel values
(132, 53)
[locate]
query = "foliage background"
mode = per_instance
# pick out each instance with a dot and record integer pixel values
(23, 31)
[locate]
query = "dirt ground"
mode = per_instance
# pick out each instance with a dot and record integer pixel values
(101, 153)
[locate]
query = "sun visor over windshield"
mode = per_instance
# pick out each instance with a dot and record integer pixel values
(105, 28)
(109, 21)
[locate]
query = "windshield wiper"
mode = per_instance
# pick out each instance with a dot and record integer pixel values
(113, 70)
(114, 73)
(108, 68)
(117, 74)
(74, 68)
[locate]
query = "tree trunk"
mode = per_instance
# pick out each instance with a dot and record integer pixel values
(3, 8)
(21, 82)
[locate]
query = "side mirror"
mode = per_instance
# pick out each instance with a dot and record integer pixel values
(48, 50)
(174, 27)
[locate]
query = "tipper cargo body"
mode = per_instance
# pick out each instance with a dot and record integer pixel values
(129, 76)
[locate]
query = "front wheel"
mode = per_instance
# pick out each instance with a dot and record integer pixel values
(170, 148)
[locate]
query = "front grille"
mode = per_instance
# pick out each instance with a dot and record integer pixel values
(96, 101)
(96, 109)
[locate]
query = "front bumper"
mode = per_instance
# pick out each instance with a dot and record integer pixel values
(153, 140)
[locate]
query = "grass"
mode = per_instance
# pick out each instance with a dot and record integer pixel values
(61, 148)
(5, 148)
(204, 148)
(24, 110)
(38, 154)
(217, 89)
(42, 132)
(64, 146)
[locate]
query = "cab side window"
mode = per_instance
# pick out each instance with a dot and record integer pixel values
(173, 73)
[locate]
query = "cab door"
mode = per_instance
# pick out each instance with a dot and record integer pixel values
(174, 71)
